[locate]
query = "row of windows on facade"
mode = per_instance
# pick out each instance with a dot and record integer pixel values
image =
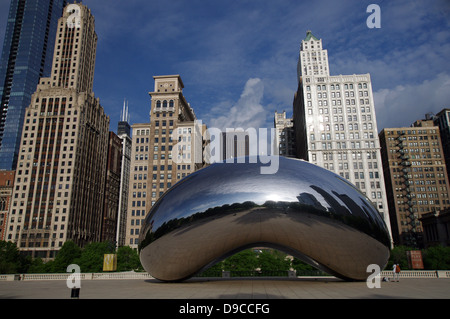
(144, 194)
(162, 156)
(412, 189)
(422, 169)
(340, 118)
(339, 103)
(413, 132)
(341, 127)
(347, 86)
(48, 129)
(143, 177)
(411, 146)
(154, 195)
(142, 132)
(354, 155)
(426, 203)
(164, 104)
(357, 175)
(46, 135)
(327, 146)
(413, 138)
(410, 151)
(417, 181)
(313, 54)
(422, 195)
(43, 155)
(405, 212)
(341, 136)
(324, 95)
(163, 123)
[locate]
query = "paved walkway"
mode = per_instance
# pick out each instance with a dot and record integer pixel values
(229, 288)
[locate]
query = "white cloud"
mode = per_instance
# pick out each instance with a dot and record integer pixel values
(247, 112)
(404, 104)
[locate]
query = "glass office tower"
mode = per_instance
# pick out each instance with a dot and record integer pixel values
(26, 56)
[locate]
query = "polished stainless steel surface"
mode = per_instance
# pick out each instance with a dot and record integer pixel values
(304, 210)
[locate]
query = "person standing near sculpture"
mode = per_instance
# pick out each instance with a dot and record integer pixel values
(396, 272)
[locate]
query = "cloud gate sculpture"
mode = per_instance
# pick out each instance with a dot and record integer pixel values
(302, 209)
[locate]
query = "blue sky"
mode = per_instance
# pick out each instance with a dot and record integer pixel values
(238, 58)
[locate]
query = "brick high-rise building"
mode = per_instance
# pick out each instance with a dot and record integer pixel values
(112, 188)
(335, 124)
(163, 152)
(416, 178)
(6, 189)
(61, 171)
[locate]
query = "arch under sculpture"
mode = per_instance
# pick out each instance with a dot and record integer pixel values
(302, 209)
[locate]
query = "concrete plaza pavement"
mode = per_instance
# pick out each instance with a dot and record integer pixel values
(230, 288)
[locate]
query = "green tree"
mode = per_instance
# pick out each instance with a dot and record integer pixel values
(300, 266)
(91, 259)
(67, 255)
(398, 256)
(38, 266)
(270, 260)
(242, 261)
(9, 258)
(213, 271)
(436, 258)
(128, 259)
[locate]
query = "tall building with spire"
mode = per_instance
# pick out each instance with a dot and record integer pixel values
(61, 171)
(124, 133)
(26, 57)
(335, 123)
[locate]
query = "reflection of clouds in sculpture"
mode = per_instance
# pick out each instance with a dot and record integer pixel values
(302, 209)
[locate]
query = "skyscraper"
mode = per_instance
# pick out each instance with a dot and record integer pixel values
(124, 133)
(6, 190)
(285, 135)
(112, 189)
(335, 123)
(61, 171)
(416, 178)
(164, 150)
(442, 120)
(26, 57)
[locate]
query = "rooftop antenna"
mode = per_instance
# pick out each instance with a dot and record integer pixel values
(124, 116)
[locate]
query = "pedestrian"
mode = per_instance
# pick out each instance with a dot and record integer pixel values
(396, 272)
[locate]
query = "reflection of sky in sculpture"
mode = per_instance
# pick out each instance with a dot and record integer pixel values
(195, 193)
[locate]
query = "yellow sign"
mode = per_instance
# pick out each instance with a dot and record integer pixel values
(109, 262)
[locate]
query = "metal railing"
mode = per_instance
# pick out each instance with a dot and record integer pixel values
(145, 276)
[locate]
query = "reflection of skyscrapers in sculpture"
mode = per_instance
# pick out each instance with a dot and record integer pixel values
(310, 200)
(335, 124)
(164, 151)
(62, 160)
(26, 56)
